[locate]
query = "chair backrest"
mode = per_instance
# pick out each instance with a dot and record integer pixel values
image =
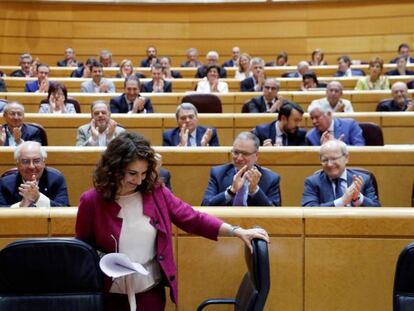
(69, 100)
(245, 107)
(41, 274)
(403, 295)
(205, 103)
(10, 171)
(254, 289)
(410, 84)
(43, 134)
(412, 196)
(372, 134)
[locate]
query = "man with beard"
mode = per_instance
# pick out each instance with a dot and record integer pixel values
(101, 130)
(285, 130)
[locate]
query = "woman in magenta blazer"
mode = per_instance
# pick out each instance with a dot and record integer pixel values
(129, 211)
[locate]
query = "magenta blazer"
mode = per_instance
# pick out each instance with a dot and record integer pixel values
(97, 220)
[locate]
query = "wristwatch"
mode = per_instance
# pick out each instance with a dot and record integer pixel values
(230, 193)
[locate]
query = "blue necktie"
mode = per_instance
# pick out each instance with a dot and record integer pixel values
(240, 199)
(338, 188)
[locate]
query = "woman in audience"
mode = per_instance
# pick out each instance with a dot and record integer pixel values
(130, 212)
(243, 71)
(57, 98)
(126, 69)
(212, 84)
(310, 82)
(167, 73)
(374, 81)
(282, 59)
(317, 58)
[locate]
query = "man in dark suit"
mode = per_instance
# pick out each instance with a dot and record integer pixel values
(14, 131)
(131, 101)
(69, 60)
(258, 185)
(84, 70)
(335, 185)
(344, 68)
(151, 57)
(41, 85)
(326, 127)
(25, 63)
(404, 51)
(157, 84)
(33, 185)
(189, 133)
(270, 101)
(234, 61)
(285, 131)
(192, 58)
(256, 81)
(401, 68)
(302, 67)
(400, 100)
(212, 59)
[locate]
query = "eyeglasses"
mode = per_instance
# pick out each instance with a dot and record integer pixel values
(273, 88)
(325, 161)
(236, 153)
(27, 162)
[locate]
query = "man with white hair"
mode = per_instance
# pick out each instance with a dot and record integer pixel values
(400, 100)
(326, 127)
(336, 185)
(302, 67)
(15, 131)
(334, 92)
(256, 82)
(192, 58)
(33, 184)
(212, 58)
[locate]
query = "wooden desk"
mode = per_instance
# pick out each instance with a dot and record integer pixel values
(392, 165)
(315, 253)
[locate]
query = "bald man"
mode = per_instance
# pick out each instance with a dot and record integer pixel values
(400, 100)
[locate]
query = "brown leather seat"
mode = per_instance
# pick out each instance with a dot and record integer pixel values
(372, 134)
(205, 103)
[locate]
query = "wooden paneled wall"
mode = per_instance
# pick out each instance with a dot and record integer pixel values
(360, 29)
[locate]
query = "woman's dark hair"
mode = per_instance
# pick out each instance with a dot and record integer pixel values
(54, 87)
(209, 68)
(126, 148)
(310, 75)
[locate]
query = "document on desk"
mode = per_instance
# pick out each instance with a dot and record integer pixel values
(117, 264)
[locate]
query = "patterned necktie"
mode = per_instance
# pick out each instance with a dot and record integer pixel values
(240, 199)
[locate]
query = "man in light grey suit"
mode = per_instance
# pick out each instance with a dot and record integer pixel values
(101, 130)
(98, 84)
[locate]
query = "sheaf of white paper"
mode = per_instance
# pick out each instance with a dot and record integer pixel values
(116, 265)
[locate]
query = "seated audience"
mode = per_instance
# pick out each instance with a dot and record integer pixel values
(400, 100)
(344, 68)
(41, 85)
(255, 82)
(281, 60)
(401, 69)
(212, 83)
(101, 130)
(69, 60)
(188, 132)
(26, 70)
(243, 71)
(167, 73)
(310, 82)
(151, 57)
(131, 101)
(192, 61)
(157, 84)
(85, 70)
(326, 127)
(285, 131)
(126, 69)
(105, 58)
(235, 55)
(269, 101)
(98, 84)
(336, 185)
(57, 100)
(333, 97)
(212, 59)
(302, 67)
(34, 184)
(317, 58)
(404, 51)
(374, 81)
(15, 131)
(243, 182)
